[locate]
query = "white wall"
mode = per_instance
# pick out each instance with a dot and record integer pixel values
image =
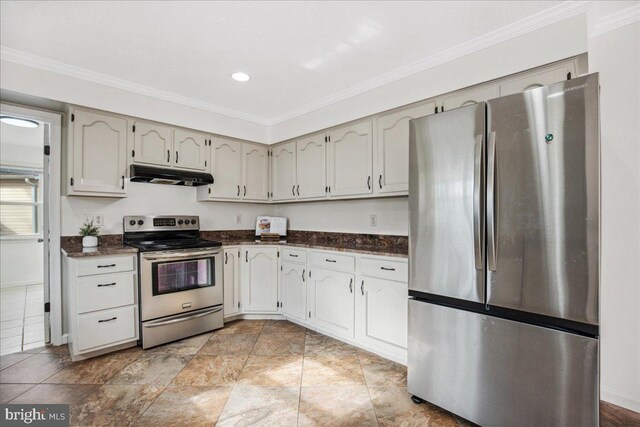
(21, 262)
(616, 56)
(157, 199)
(349, 216)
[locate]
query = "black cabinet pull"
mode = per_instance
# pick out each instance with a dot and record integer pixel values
(176, 157)
(123, 182)
(380, 182)
(369, 182)
(293, 255)
(106, 266)
(298, 189)
(387, 269)
(330, 260)
(245, 190)
(107, 320)
(101, 285)
(246, 256)
(168, 156)
(351, 285)
(293, 190)
(303, 270)
(238, 191)
(226, 257)
(362, 287)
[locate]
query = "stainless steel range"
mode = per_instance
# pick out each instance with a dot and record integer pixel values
(180, 277)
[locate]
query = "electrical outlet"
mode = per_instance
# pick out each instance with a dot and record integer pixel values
(98, 219)
(373, 220)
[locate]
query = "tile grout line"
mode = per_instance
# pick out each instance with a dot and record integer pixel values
(375, 413)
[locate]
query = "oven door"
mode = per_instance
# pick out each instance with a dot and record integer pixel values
(179, 282)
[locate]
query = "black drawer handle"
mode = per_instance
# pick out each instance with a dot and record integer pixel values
(330, 260)
(101, 285)
(106, 266)
(293, 255)
(387, 268)
(107, 320)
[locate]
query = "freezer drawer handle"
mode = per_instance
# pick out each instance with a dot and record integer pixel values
(492, 211)
(107, 320)
(106, 266)
(387, 269)
(102, 285)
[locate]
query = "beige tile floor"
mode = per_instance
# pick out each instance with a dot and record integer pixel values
(250, 373)
(21, 318)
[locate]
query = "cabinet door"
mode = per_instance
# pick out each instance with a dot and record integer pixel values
(231, 281)
(260, 280)
(190, 149)
(226, 167)
(349, 162)
(255, 172)
(152, 144)
(99, 152)
(293, 290)
(392, 163)
(333, 301)
(381, 314)
(283, 171)
(545, 77)
(468, 97)
(311, 167)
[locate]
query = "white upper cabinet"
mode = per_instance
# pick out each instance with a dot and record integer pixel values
(152, 144)
(190, 150)
(98, 154)
(392, 148)
(468, 97)
(332, 301)
(349, 164)
(311, 167)
(231, 281)
(540, 78)
(226, 168)
(260, 279)
(283, 171)
(255, 172)
(293, 290)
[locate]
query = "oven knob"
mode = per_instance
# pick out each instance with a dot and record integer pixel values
(132, 222)
(140, 222)
(193, 221)
(180, 222)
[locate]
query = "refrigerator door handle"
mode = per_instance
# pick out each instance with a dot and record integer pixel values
(492, 212)
(478, 203)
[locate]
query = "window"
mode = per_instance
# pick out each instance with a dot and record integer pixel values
(20, 203)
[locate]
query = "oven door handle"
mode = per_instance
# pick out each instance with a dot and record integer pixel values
(180, 256)
(183, 318)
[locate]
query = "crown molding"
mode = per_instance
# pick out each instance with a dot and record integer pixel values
(616, 20)
(552, 15)
(24, 58)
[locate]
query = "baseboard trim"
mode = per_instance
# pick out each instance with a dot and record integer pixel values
(620, 399)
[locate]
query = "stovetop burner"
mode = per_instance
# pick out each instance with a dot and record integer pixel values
(162, 233)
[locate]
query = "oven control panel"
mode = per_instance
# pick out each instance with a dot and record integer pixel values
(160, 223)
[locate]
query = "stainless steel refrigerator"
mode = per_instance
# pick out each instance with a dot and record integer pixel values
(504, 258)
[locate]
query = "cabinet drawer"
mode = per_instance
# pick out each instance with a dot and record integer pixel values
(333, 261)
(102, 265)
(294, 255)
(105, 291)
(384, 269)
(106, 327)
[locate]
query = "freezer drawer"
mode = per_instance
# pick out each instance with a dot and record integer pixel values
(498, 372)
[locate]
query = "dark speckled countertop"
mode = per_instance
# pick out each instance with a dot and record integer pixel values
(373, 244)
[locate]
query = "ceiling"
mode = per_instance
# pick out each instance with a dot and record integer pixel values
(299, 55)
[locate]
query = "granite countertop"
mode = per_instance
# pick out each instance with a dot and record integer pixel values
(110, 244)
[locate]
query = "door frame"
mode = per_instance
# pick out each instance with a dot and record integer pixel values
(54, 120)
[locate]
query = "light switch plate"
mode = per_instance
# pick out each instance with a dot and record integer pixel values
(373, 220)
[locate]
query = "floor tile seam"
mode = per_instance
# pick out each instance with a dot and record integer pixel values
(15, 363)
(371, 399)
(148, 406)
(193, 356)
(15, 397)
(24, 314)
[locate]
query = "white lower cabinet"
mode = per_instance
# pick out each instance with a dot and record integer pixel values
(101, 303)
(381, 314)
(231, 280)
(331, 301)
(293, 290)
(260, 279)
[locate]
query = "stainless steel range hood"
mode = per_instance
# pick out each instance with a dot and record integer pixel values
(140, 173)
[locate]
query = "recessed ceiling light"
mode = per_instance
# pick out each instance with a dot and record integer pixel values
(17, 121)
(241, 77)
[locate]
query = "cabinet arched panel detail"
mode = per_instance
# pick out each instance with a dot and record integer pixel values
(311, 173)
(189, 150)
(293, 292)
(350, 160)
(255, 171)
(260, 279)
(152, 144)
(333, 301)
(283, 172)
(226, 164)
